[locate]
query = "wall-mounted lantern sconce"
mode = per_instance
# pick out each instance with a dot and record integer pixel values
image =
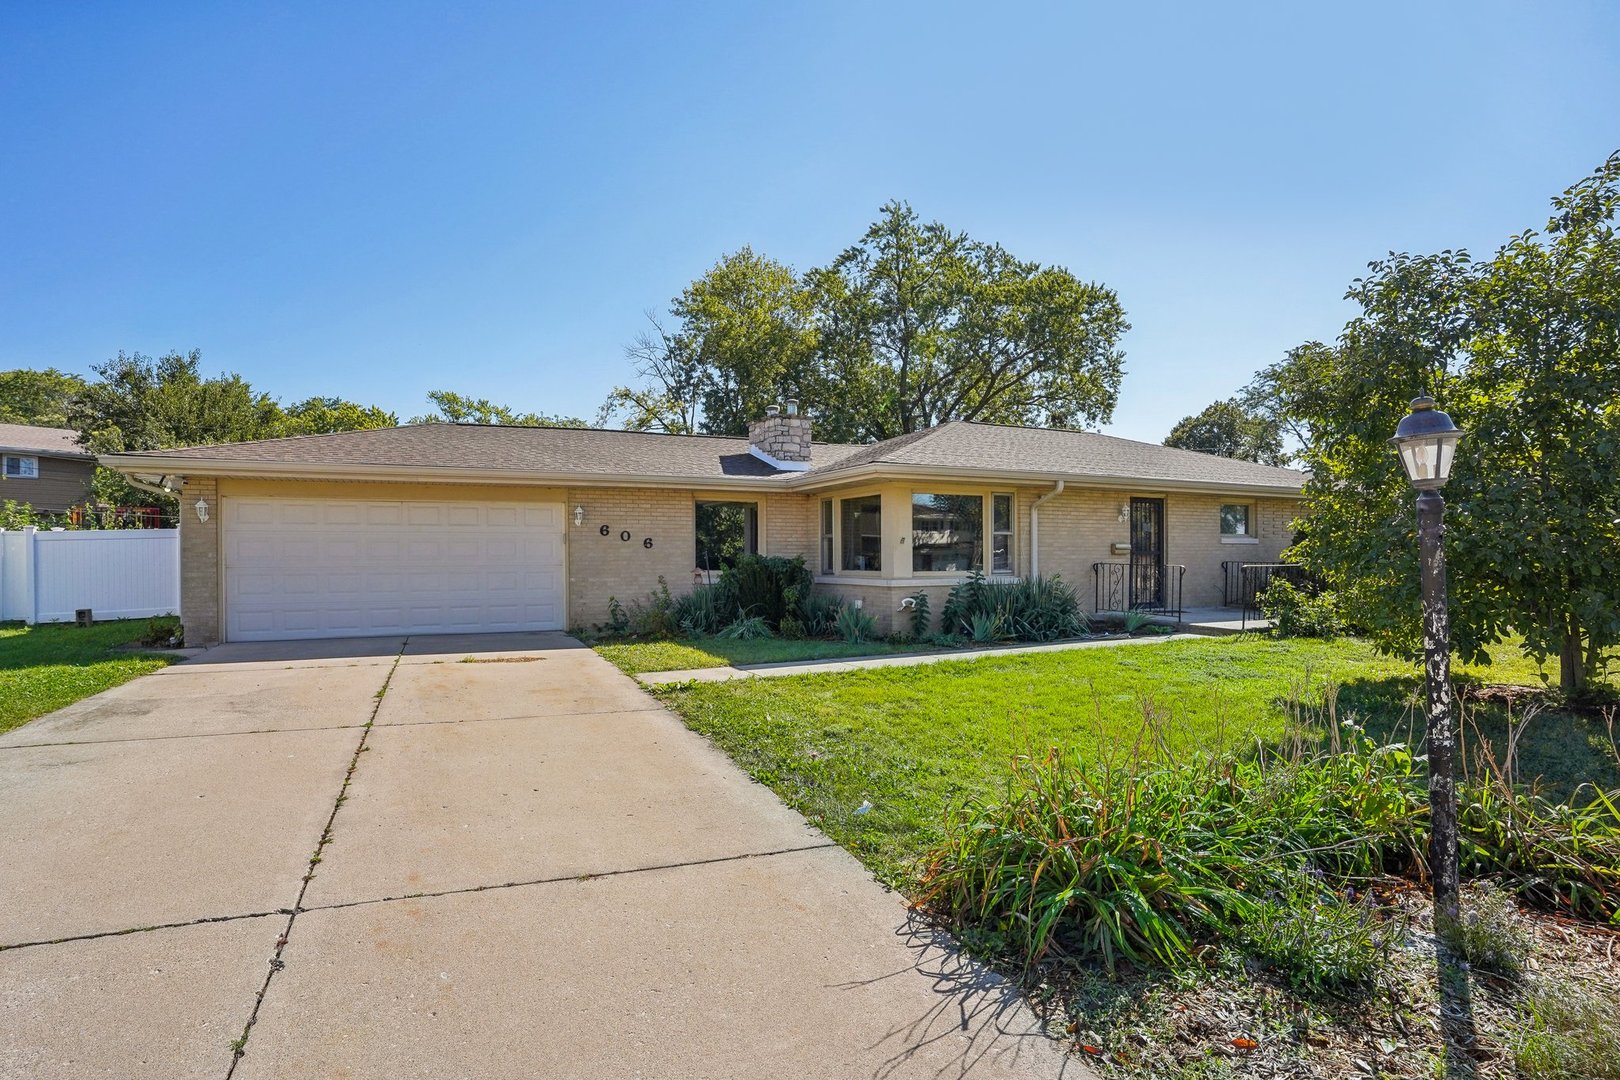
(1124, 511)
(579, 516)
(201, 506)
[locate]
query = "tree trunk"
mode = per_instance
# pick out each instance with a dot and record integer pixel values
(1571, 660)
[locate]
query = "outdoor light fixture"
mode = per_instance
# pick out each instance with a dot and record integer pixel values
(202, 509)
(579, 516)
(1124, 511)
(1426, 440)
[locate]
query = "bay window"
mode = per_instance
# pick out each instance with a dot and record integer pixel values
(861, 522)
(947, 532)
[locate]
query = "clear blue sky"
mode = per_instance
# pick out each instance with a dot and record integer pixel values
(376, 200)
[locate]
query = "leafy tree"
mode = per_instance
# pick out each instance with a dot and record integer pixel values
(325, 415)
(37, 397)
(454, 408)
(145, 404)
(1524, 352)
(911, 326)
(1229, 429)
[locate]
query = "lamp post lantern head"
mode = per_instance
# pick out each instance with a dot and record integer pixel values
(1426, 440)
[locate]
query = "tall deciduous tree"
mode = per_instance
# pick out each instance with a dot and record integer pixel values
(40, 398)
(1229, 429)
(144, 404)
(1524, 351)
(454, 408)
(911, 326)
(325, 415)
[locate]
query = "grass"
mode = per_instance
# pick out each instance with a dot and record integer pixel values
(636, 657)
(45, 667)
(913, 741)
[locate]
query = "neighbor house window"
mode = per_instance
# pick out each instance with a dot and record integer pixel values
(947, 532)
(1235, 519)
(726, 530)
(19, 467)
(826, 536)
(1001, 515)
(862, 521)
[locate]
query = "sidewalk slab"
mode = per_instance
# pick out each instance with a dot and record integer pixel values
(229, 699)
(164, 1005)
(452, 806)
(791, 965)
(823, 667)
(103, 837)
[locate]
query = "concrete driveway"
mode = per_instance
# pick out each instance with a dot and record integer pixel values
(478, 857)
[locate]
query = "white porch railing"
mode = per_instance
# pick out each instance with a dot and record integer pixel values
(47, 575)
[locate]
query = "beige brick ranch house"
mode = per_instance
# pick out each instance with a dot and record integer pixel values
(450, 528)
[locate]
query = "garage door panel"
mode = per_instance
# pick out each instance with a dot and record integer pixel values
(313, 568)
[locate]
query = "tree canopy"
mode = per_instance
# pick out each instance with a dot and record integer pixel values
(454, 408)
(1230, 429)
(1523, 350)
(910, 326)
(37, 397)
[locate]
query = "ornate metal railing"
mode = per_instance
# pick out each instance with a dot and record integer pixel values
(1138, 586)
(1242, 583)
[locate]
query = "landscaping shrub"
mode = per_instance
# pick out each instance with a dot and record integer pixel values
(707, 609)
(1148, 862)
(769, 586)
(1489, 934)
(819, 612)
(1034, 609)
(747, 629)
(1298, 612)
(921, 618)
(855, 624)
(655, 617)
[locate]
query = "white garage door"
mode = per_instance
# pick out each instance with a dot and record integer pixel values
(307, 568)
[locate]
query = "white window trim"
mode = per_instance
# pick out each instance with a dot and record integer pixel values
(32, 459)
(986, 509)
(838, 534)
(1245, 537)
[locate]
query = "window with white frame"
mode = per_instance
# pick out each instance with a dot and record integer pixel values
(1001, 530)
(725, 532)
(21, 467)
(827, 547)
(1235, 520)
(947, 532)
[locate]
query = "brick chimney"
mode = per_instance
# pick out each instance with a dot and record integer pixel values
(782, 438)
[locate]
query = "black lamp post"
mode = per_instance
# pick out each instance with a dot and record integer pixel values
(1426, 440)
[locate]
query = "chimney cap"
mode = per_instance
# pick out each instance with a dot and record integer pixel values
(772, 410)
(792, 406)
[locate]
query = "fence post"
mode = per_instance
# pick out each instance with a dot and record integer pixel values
(30, 574)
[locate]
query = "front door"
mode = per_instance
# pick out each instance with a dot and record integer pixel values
(1147, 553)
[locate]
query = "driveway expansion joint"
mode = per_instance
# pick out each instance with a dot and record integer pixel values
(239, 1046)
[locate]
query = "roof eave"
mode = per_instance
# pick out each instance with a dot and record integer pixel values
(278, 470)
(883, 471)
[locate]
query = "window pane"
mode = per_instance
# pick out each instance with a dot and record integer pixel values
(1003, 512)
(826, 536)
(863, 533)
(725, 530)
(947, 532)
(1234, 520)
(1001, 554)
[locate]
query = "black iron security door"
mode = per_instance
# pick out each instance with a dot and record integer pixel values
(1147, 553)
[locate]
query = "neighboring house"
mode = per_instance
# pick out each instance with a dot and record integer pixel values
(447, 527)
(44, 467)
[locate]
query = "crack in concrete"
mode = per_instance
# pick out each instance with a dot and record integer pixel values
(589, 875)
(239, 1047)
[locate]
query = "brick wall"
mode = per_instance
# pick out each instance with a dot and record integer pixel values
(199, 562)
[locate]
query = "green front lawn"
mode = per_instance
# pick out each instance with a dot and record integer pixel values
(43, 668)
(911, 741)
(636, 657)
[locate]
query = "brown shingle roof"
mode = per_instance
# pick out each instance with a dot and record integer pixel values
(583, 451)
(960, 444)
(50, 441)
(594, 454)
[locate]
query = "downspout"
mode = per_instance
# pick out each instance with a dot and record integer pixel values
(1035, 528)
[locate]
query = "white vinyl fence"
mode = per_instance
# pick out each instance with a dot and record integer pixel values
(47, 575)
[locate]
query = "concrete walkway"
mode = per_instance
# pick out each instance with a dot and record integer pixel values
(372, 859)
(819, 667)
